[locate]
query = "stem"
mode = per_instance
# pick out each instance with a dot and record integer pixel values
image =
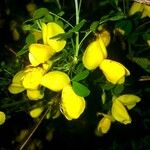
(77, 33)
(61, 19)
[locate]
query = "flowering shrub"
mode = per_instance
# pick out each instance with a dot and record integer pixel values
(66, 62)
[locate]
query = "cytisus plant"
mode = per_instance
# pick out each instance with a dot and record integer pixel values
(61, 57)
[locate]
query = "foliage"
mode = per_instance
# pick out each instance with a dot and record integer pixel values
(88, 70)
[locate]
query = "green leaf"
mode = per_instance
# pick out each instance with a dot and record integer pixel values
(118, 89)
(70, 32)
(26, 27)
(142, 62)
(113, 16)
(146, 36)
(80, 76)
(30, 39)
(80, 89)
(94, 26)
(78, 26)
(39, 13)
(126, 25)
(23, 50)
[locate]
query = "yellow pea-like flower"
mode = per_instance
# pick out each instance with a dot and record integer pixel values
(72, 105)
(16, 85)
(136, 7)
(146, 12)
(35, 94)
(129, 100)
(36, 112)
(55, 80)
(32, 78)
(2, 117)
(40, 53)
(103, 126)
(49, 31)
(114, 71)
(94, 54)
(105, 35)
(15, 88)
(119, 112)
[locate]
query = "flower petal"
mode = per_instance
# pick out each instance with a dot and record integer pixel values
(72, 105)
(120, 113)
(52, 30)
(114, 71)
(55, 80)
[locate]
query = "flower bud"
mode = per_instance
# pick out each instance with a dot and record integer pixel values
(72, 105)
(103, 126)
(36, 112)
(114, 71)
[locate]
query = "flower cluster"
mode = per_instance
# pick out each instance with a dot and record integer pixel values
(39, 74)
(95, 56)
(118, 112)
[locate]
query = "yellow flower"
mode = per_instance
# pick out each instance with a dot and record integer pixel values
(129, 100)
(94, 54)
(136, 7)
(72, 105)
(49, 31)
(55, 80)
(32, 78)
(16, 85)
(114, 71)
(2, 117)
(103, 126)
(105, 35)
(35, 94)
(36, 112)
(40, 53)
(146, 12)
(120, 113)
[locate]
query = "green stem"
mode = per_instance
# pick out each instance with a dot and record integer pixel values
(77, 33)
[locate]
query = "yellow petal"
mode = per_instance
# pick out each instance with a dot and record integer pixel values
(2, 117)
(114, 71)
(72, 105)
(18, 77)
(105, 35)
(35, 94)
(129, 100)
(15, 88)
(54, 29)
(94, 54)
(55, 80)
(33, 78)
(39, 53)
(44, 33)
(36, 112)
(146, 12)
(103, 126)
(136, 7)
(120, 113)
